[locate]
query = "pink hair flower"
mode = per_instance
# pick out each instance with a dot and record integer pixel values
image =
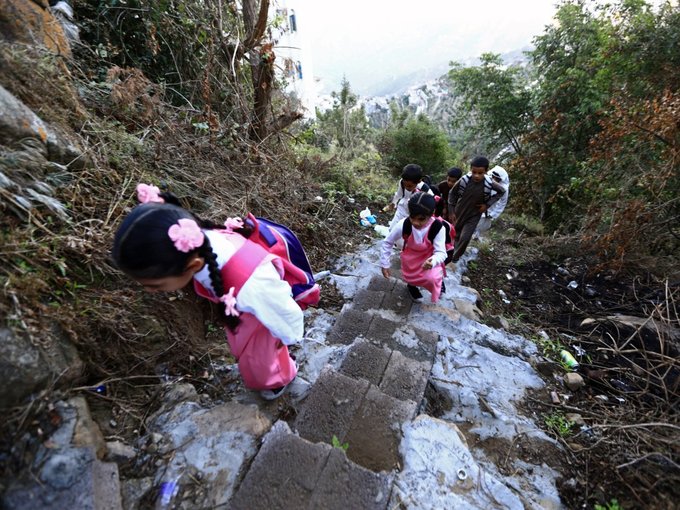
(147, 193)
(186, 235)
(229, 303)
(233, 223)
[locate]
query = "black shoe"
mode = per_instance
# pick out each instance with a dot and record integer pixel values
(443, 287)
(415, 293)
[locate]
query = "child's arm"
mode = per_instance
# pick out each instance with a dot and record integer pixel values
(496, 209)
(453, 200)
(398, 194)
(387, 245)
(269, 298)
(500, 191)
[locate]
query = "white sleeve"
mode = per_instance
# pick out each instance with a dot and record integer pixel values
(386, 248)
(439, 247)
(270, 299)
(497, 208)
(397, 194)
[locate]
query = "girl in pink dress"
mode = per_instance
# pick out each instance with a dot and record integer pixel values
(424, 253)
(164, 248)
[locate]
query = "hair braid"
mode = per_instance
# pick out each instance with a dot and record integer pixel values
(210, 257)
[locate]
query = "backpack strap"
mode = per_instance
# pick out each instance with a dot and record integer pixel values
(242, 264)
(407, 229)
(488, 188)
(434, 230)
(435, 227)
(462, 183)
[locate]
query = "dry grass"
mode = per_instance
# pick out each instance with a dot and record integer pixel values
(57, 272)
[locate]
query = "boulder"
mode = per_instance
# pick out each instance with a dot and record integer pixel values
(32, 22)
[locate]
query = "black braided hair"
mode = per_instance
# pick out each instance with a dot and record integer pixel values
(205, 251)
(143, 249)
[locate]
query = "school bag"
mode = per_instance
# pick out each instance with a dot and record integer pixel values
(488, 189)
(269, 238)
(437, 225)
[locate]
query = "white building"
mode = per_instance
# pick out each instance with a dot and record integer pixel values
(293, 55)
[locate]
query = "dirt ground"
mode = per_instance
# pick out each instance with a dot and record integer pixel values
(620, 431)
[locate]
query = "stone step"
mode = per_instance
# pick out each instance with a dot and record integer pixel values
(356, 412)
(290, 472)
(412, 342)
(395, 374)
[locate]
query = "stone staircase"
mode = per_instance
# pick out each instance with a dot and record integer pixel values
(378, 388)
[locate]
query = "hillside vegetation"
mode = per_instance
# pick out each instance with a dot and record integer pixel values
(185, 95)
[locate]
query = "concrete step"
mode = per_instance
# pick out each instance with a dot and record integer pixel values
(290, 472)
(412, 342)
(358, 413)
(395, 374)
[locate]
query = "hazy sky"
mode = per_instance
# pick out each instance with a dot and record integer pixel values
(372, 41)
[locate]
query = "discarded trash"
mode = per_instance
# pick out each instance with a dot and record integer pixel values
(562, 271)
(167, 494)
(101, 389)
(504, 297)
(572, 284)
(580, 351)
(554, 397)
(367, 219)
(462, 474)
(590, 291)
(321, 275)
(569, 359)
(381, 230)
(621, 385)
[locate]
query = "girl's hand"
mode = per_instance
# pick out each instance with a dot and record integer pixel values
(482, 208)
(428, 264)
(386, 272)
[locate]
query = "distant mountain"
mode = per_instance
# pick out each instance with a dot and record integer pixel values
(426, 92)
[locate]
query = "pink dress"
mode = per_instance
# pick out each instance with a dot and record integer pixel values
(263, 360)
(413, 256)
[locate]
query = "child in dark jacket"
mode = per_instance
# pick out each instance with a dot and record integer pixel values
(468, 200)
(452, 177)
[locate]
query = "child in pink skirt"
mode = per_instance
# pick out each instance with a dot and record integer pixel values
(424, 252)
(164, 247)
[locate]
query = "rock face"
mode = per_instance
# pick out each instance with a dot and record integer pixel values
(32, 22)
(27, 368)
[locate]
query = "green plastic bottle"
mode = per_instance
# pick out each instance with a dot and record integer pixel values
(568, 359)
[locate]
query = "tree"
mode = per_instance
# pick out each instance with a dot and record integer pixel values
(417, 140)
(346, 121)
(494, 99)
(571, 92)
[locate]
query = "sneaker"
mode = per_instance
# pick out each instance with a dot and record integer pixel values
(274, 393)
(415, 293)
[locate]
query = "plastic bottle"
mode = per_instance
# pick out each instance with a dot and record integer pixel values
(568, 359)
(169, 488)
